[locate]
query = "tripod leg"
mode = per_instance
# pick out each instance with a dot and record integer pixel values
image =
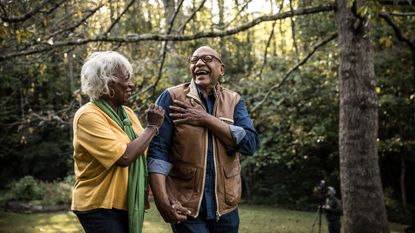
(315, 219)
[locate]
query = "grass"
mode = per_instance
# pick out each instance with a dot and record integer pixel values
(254, 219)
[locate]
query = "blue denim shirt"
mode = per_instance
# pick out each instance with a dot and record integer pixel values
(243, 133)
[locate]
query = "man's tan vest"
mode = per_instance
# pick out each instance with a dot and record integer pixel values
(188, 154)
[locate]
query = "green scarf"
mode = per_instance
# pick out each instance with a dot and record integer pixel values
(137, 171)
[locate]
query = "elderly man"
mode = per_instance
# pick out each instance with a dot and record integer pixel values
(194, 162)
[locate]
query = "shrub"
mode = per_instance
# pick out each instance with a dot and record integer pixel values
(59, 192)
(396, 212)
(27, 189)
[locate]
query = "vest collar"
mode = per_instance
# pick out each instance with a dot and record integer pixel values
(194, 92)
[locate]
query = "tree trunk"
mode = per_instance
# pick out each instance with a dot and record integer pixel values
(361, 187)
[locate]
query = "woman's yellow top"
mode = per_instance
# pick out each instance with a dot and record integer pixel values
(98, 143)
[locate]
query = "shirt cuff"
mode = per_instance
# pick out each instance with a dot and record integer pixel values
(159, 166)
(238, 133)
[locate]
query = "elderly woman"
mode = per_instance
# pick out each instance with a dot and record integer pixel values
(109, 142)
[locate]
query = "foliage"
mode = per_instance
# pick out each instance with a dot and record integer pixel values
(27, 189)
(295, 138)
(59, 192)
(395, 210)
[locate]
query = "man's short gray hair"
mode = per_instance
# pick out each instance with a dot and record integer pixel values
(99, 69)
(331, 191)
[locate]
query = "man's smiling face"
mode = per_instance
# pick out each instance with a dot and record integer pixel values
(206, 67)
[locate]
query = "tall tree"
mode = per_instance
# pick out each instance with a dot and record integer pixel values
(362, 194)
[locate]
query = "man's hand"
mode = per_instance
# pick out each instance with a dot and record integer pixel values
(188, 114)
(180, 210)
(173, 212)
(326, 207)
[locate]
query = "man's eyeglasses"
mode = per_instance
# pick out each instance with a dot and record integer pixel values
(205, 59)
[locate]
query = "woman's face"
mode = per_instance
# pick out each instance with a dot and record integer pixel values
(123, 87)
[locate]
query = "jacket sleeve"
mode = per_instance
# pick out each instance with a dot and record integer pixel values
(159, 146)
(243, 131)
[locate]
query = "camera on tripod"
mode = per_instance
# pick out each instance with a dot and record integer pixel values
(321, 190)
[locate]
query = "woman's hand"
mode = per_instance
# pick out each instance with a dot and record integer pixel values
(155, 115)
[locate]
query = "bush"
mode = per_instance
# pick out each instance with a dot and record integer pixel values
(58, 192)
(27, 189)
(396, 212)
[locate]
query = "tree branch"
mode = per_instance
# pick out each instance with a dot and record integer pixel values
(21, 18)
(163, 58)
(269, 41)
(119, 17)
(49, 11)
(271, 35)
(73, 27)
(396, 2)
(278, 85)
(181, 29)
(237, 14)
(397, 30)
(402, 14)
(133, 38)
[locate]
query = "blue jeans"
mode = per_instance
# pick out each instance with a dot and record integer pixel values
(103, 220)
(228, 223)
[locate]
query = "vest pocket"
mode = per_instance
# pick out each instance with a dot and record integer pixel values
(181, 183)
(227, 120)
(233, 187)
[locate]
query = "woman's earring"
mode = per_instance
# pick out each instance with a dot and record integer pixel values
(112, 93)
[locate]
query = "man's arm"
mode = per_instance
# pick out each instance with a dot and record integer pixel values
(159, 167)
(171, 210)
(246, 138)
(240, 137)
(197, 115)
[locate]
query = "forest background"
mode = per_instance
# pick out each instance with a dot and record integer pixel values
(282, 56)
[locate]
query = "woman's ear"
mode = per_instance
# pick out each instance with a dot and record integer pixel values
(111, 83)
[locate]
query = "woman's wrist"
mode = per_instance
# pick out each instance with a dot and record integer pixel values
(154, 127)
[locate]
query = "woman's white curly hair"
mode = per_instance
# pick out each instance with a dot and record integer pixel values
(99, 69)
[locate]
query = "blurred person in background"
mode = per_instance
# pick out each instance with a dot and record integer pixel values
(333, 210)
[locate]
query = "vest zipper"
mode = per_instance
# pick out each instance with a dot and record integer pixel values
(214, 163)
(204, 169)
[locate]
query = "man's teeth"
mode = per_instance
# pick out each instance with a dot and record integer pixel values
(201, 72)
